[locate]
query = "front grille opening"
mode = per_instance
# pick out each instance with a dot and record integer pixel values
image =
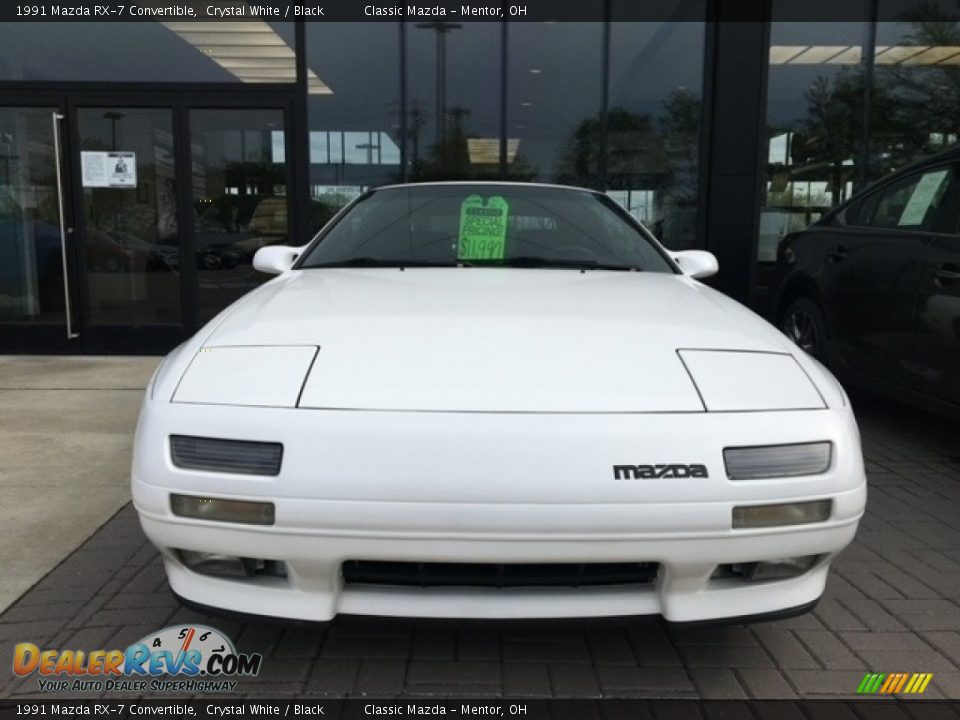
(496, 575)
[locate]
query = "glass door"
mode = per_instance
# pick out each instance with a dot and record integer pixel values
(35, 290)
(125, 227)
(240, 201)
(130, 247)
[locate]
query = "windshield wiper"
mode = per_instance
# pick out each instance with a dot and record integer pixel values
(372, 262)
(533, 261)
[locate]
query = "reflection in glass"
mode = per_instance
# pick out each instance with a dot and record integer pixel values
(453, 109)
(354, 125)
(239, 199)
(130, 232)
(194, 51)
(654, 120)
(915, 95)
(554, 103)
(31, 273)
(815, 101)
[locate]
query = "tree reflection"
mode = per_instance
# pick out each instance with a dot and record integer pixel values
(916, 106)
(826, 141)
(652, 155)
(914, 111)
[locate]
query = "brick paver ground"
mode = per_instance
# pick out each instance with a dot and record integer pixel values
(892, 604)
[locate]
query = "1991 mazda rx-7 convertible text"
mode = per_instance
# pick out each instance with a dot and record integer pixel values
(494, 400)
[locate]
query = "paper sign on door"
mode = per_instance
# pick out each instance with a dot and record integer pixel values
(108, 169)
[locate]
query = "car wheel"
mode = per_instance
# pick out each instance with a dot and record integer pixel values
(803, 323)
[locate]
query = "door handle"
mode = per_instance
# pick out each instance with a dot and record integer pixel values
(57, 117)
(837, 254)
(946, 274)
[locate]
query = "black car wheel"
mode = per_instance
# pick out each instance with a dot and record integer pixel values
(803, 323)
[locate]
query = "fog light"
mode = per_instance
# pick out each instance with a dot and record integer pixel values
(801, 513)
(230, 566)
(779, 569)
(236, 511)
(216, 564)
(773, 461)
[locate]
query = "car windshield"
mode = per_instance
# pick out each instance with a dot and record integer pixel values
(486, 225)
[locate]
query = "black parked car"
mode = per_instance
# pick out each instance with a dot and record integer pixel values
(873, 288)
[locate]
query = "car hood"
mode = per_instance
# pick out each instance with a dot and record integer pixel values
(494, 340)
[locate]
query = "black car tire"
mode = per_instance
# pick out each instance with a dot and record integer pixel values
(804, 324)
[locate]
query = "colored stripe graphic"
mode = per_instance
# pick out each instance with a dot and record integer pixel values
(891, 682)
(884, 684)
(866, 684)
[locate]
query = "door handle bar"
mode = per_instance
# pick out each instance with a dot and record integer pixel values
(837, 254)
(57, 117)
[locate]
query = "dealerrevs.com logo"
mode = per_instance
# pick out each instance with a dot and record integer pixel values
(180, 658)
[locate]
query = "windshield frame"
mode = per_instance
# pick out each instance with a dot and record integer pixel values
(609, 202)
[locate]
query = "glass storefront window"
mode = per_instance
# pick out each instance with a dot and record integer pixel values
(249, 52)
(31, 270)
(815, 124)
(240, 201)
(554, 102)
(654, 119)
(130, 232)
(354, 115)
(454, 100)
(915, 97)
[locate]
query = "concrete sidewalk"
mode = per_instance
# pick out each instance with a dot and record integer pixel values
(66, 433)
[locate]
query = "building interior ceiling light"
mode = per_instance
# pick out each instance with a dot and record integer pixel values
(486, 150)
(852, 54)
(896, 54)
(937, 55)
(780, 54)
(818, 54)
(250, 50)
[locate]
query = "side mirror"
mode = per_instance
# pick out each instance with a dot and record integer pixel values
(697, 263)
(275, 259)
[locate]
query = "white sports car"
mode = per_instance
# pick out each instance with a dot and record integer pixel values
(494, 400)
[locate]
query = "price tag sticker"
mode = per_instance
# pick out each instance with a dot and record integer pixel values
(483, 228)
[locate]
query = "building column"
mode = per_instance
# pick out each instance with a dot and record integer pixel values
(736, 145)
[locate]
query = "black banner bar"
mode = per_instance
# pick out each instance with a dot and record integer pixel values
(521, 708)
(447, 11)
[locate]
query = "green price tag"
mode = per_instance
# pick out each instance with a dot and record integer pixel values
(483, 228)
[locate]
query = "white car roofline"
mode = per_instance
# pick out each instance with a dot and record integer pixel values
(508, 183)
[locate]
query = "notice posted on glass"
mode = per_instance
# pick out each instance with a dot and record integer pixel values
(115, 169)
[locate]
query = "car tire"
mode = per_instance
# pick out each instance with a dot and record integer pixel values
(803, 322)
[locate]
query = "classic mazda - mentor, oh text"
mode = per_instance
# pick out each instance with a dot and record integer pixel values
(494, 400)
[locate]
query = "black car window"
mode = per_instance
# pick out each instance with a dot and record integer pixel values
(861, 211)
(948, 217)
(912, 202)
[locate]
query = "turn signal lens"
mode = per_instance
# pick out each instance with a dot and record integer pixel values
(773, 461)
(763, 516)
(236, 511)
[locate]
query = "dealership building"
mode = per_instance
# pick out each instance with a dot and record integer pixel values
(143, 163)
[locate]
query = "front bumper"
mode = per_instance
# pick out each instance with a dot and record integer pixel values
(488, 488)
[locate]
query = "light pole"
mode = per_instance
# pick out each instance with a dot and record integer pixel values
(441, 29)
(113, 117)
